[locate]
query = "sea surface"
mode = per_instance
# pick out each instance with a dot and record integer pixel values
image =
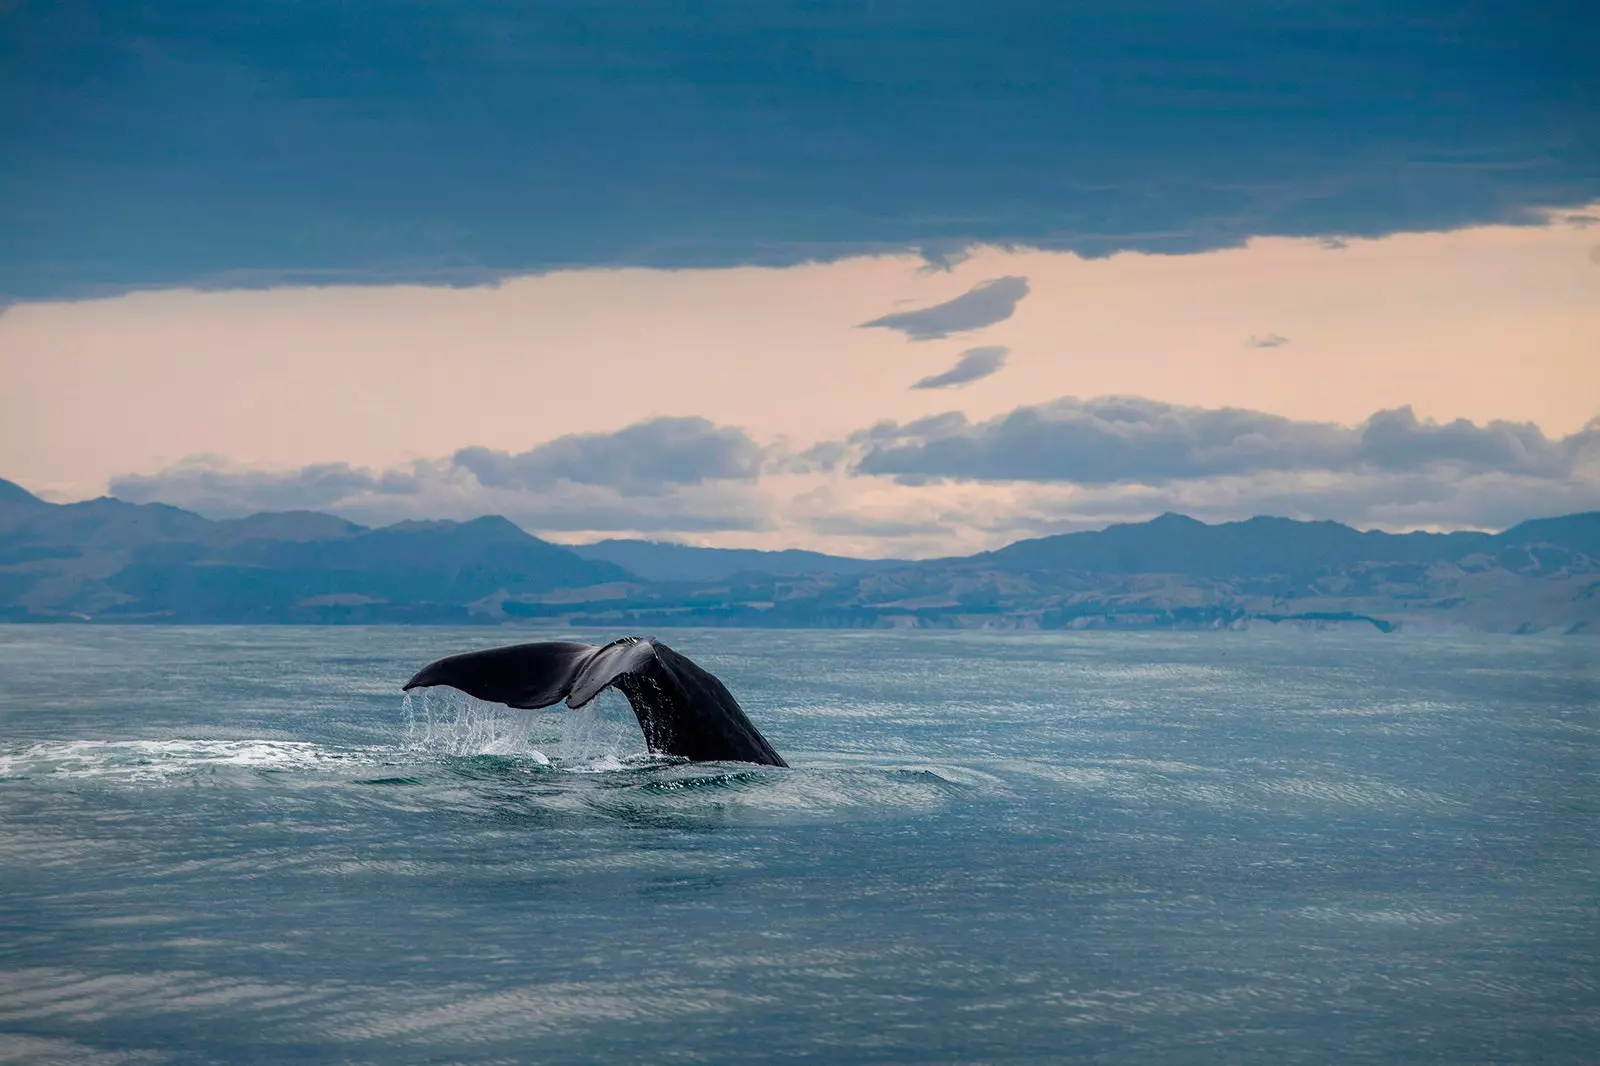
(243, 845)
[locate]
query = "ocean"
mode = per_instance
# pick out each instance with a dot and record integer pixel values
(244, 845)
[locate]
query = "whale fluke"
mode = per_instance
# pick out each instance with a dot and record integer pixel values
(683, 710)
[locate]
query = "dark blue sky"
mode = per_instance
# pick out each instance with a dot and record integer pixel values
(233, 142)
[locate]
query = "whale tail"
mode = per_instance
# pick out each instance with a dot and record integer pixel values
(682, 709)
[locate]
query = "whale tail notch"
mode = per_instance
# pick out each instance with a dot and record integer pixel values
(683, 709)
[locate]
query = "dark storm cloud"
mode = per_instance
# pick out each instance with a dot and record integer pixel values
(974, 364)
(1113, 440)
(235, 143)
(982, 305)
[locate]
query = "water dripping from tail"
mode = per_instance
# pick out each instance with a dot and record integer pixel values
(445, 723)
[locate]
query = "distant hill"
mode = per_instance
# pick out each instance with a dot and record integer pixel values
(108, 560)
(661, 561)
(1172, 572)
(1176, 544)
(1575, 532)
(15, 495)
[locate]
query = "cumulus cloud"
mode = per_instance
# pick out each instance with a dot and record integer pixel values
(212, 485)
(665, 474)
(1398, 440)
(946, 485)
(982, 305)
(1135, 440)
(974, 364)
(1265, 340)
(1098, 441)
(645, 457)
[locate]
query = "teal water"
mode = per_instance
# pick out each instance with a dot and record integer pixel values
(242, 845)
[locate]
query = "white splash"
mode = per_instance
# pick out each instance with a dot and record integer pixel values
(148, 760)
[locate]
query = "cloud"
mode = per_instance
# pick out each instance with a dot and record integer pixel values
(1098, 441)
(946, 485)
(1134, 440)
(212, 485)
(882, 517)
(645, 457)
(818, 458)
(984, 304)
(1365, 499)
(1266, 340)
(480, 139)
(974, 364)
(1398, 440)
(1131, 459)
(665, 474)
(940, 258)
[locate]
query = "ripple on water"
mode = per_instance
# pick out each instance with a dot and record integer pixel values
(455, 753)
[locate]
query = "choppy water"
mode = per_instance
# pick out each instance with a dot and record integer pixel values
(241, 845)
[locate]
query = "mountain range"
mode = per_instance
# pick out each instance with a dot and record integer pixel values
(662, 561)
(107, 560)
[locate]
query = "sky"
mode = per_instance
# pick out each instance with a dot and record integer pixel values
(878, 278)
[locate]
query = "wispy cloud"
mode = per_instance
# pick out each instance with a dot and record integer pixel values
(984, 304)
(974, 364)
(1265, 340)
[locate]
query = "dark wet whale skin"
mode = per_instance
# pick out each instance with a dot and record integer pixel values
(683, 709)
